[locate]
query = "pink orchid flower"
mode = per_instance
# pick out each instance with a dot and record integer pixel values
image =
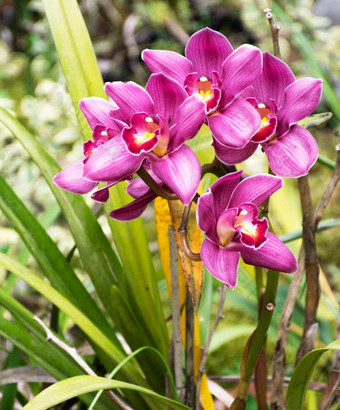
(228, 215)
(150, 128)
(281, 101)
(218, 75)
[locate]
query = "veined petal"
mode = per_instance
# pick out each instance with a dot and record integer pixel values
(169, 63)
(220, 262)
(102, 194)
(275, 78)
(300, 100)
(112, 162)
(180, 171)
(71, 179)
(292, 155)
(167, 96)
(207, 49)
(205, 215)
(130, 97)
(232, 156)
(222, 191)
(255, 189)
(274, 254)
(97, 111)
(189, 119)
(235, 125)
(240, 69)
(134, 209)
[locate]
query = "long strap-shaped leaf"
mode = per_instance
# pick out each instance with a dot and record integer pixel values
(83, 80)
(95, 251)
(66, 389)
(89, 328)
(43, 354)
(302, 374)
(51, 261)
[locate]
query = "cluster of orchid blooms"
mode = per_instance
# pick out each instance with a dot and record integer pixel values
(247, 98)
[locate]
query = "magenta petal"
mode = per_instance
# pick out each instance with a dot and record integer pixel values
(239, 70)
(275, 78)
(167, 95)
(205, 215)
(97, 111)
(220, 262)
(102, 194)
(222, 191)
(180, 171)
(235, 125)
(255, 190)
(232, 156)
(292, 155)
(274, 254)
(134, 209)
(112, 162)
(130, 98)
(190, 117)
(71, 179)
(207, 49)
(300, 100)
(169, 63)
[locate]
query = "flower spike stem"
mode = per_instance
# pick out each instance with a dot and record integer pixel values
(157, 189)
(275, 31)
(205, 351)
(184, 237)
(255, 342)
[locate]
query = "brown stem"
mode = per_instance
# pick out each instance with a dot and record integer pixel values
(204, 356)
(312, 269)
(182, 230)
(189, 352)
(157, 189)
(275, 32)
(176, 317)
(280, 351)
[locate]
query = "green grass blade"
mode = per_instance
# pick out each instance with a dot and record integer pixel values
(43, 354)
(66, 389)
(95, 251)
(90, 329)
(51, 261)
(302, 374)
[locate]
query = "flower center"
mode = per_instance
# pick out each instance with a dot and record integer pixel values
(268, 124)
(100, 136)
(207, 89)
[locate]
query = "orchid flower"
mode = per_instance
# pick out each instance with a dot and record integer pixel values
(228, 215)
(281, 101)
(153, 126)
(218, 75)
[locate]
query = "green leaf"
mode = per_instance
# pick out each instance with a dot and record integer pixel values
(202, 140)
(315, 120)
(90, 329)
(66, 389)
(323, 225)
(95, 251)
(128, 358)
(76, 54)
(51, 261)
(302, 375)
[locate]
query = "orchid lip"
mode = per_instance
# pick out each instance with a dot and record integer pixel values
(207, 89)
